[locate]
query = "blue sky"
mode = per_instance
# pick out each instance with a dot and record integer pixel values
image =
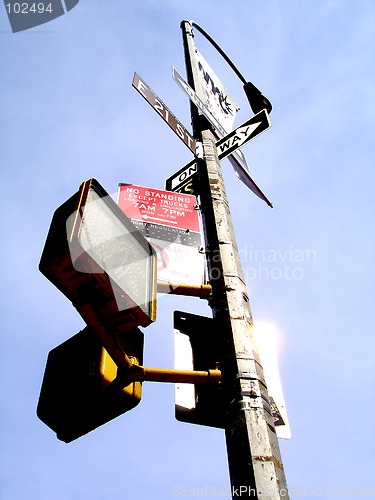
(69, 113)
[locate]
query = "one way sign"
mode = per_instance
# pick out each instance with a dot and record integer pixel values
(243, 134)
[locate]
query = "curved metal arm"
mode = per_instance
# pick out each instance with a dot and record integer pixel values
(256, 99)
(219, 49)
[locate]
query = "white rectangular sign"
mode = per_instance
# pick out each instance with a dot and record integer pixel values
(218, 100)
(170, 222)
(239, 157)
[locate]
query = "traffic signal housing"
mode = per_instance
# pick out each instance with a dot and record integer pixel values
(101, 262)
(80, 391)
(196, 346)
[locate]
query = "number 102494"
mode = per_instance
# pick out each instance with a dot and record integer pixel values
(28, 8)
(347, 491)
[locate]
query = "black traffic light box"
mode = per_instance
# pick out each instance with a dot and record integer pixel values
(101, 262)
(78, 393)
(197, 344)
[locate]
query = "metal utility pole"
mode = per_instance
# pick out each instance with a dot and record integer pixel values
(255, 464)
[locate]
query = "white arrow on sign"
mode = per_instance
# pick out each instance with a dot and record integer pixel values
(162, 220)
(243, 134)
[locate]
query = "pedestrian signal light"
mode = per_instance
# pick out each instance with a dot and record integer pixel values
(79, 391)
(196, 347)
(101, 262)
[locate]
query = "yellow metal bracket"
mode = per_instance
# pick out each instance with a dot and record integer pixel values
(144, 374)
(181, 376)
(202, 291)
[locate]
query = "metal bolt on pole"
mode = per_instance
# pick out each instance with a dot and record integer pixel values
(254, 459)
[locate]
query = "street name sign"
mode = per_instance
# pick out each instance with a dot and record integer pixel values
(237, 158)
(170, 222)
(165, 113)
(194, 97)
(243, 134)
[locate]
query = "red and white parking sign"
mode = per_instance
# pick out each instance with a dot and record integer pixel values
(170, 222)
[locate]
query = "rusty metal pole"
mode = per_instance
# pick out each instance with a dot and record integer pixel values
(254, 459)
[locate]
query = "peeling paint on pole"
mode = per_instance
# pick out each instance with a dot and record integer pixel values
(253, 452)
